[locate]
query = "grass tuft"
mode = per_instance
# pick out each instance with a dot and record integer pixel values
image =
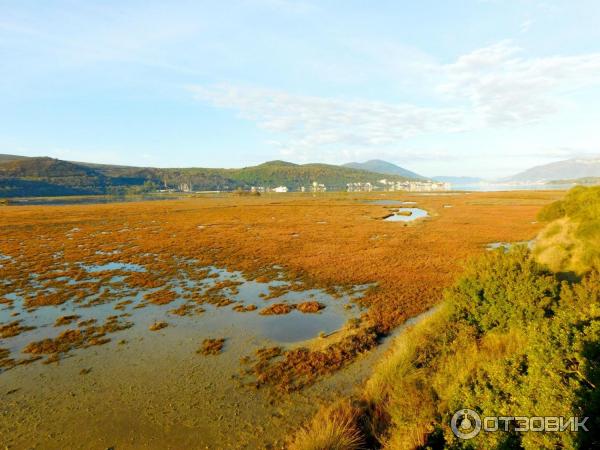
(333, 428)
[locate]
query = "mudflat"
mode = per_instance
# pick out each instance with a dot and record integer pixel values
(218, 322)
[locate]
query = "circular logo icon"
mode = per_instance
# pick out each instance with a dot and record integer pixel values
(465, 424)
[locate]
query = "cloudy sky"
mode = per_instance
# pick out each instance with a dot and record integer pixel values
(457, 87)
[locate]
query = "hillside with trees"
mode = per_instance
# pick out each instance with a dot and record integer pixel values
(48, 176)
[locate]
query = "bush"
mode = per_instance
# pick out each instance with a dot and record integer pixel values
(511, 339)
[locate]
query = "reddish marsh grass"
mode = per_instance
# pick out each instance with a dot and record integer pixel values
(408, 265)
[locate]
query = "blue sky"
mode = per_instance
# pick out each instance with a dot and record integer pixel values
(467, 87)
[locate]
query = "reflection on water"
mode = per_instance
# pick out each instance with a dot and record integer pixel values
(297, 326)
(151, 389)
(390, 202)
(86, 200)
(196, 296)
(508, 245)
(3, 258)
(406, 215)
(491, 187)
(114, 266)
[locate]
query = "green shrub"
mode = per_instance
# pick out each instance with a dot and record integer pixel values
(511, 339)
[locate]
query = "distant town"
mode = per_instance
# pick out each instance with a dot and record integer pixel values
(388, 185)
(381, 185)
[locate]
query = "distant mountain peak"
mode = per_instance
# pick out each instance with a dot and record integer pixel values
(560, 170)
(378, 161)
(384, 167)
(277, 162)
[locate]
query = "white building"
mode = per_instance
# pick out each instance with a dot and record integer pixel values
(318, 187)
(415, 185)
(359, 187)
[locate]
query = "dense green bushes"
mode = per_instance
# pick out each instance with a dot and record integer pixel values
(581, 203)
(510, 340)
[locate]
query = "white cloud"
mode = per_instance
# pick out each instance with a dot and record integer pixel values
(506, 89)
(313, 125)
(492, 87)
(559, 153)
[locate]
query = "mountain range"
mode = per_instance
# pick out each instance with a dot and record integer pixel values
(43, 176)
(570, 169)
(387, 168)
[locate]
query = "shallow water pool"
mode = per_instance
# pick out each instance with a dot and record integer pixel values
(402, 215)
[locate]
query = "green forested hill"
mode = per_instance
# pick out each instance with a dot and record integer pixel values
(48, 176)
(6, 158)
(277, 173)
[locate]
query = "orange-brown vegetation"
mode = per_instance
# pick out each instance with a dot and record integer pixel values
(76, 338)
(300, 367)
(408, 266)
(158, 326)
(211, 346)
(214, 299)
(310, 307)
(186, 309)
(122, 305)
(161, 297)
(66, 320)
(267, 353)
(13, 329)
(276, 309)
(5, 360)
(219, 286)
(244, 308)
(86, 323)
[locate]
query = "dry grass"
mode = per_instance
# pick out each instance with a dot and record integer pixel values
(333, 428)
(559, 248)
(425, 368)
